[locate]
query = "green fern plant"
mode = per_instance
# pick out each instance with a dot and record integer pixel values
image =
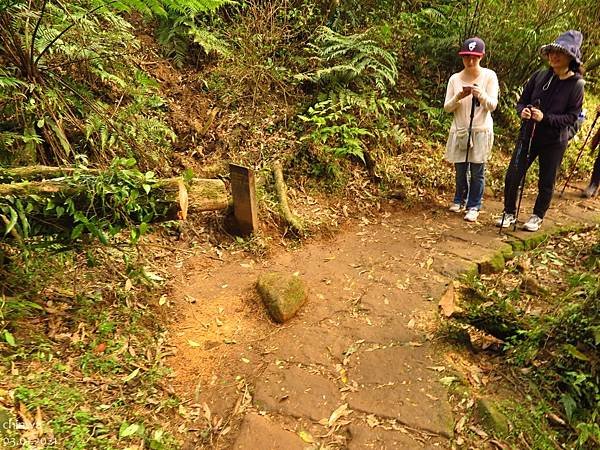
(66, 67)
(178, 33)
(345, 124)
(354, 58)
(354, 116)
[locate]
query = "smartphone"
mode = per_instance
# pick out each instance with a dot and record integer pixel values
(467, 88)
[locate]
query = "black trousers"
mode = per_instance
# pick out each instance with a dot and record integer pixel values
(550, 156)
(596, 172)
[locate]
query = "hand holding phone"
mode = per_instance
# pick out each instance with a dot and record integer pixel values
(466, 90)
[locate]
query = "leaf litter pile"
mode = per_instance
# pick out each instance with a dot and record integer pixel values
(534, 335)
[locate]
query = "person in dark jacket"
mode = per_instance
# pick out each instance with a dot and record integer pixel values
(551, 102)
(594, 185)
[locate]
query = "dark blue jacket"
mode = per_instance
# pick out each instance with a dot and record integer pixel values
(560, 101)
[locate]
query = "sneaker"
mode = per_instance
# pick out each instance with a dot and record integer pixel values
(533, 224)
(456, 207)
(472, 215)
(590, 191)
(506, 220)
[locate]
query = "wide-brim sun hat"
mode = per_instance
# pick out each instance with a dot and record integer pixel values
(568, 42)
(472, 47)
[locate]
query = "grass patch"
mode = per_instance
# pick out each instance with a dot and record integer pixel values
(81, 361)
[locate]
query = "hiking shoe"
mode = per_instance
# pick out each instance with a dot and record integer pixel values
(590, 191)
(455, 207)
(472, 215)
(509, 220)
(533, 224)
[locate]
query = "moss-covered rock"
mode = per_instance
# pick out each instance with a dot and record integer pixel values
(517, 245)
(491, 418)
(507, 251)
(493, 265)
(535, 240)
(282, 294)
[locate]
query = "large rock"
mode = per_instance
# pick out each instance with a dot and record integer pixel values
(282, 294)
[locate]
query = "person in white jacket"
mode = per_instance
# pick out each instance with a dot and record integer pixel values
(477, 87)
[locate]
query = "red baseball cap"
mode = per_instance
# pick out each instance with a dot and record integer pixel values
(473, 46)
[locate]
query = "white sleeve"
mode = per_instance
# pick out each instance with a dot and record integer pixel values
(489, 95)
(451, 102)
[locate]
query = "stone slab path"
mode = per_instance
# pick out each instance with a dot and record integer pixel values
(358, 367)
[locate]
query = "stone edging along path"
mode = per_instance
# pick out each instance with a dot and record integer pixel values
(357, 368)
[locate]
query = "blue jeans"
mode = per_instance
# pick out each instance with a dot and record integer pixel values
(469, 190)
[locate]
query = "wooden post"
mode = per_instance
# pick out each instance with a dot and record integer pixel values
(243, 191)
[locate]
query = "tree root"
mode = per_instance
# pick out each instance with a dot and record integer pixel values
(281, 189)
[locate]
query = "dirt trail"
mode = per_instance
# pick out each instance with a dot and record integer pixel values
(358, 367)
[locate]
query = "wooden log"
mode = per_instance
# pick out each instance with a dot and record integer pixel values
(38, 173)
(202, 194)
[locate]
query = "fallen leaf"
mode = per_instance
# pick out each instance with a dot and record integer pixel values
(162, 300)
(447, 381)
(100, 348)
(131, 376)
(460, 425)
(447, 302)
(479, 432)
(342, 410)
(207, 413)
(429, 263)
(500, 445)
(555, 419)
(129, 430)
(372, 421)
(306, 437)
(193, 343)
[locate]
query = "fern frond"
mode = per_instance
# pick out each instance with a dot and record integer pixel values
(209, 42)
(10, 83)
(349, 58)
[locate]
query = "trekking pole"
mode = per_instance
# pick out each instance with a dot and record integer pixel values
(580, 153)
(473, 105)
(527, 156)
(517, 159)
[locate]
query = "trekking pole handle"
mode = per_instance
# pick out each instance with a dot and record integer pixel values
(536, 104)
